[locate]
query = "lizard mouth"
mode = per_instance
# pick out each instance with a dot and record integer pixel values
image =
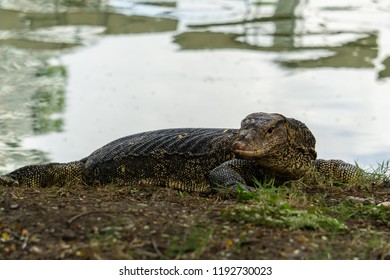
(247, 154)
(243, 151)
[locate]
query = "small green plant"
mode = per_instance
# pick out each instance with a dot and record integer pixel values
(264, 191)
(283, 215)
(369, 176)
(243, 194)
(194, 242)
(272, 209)
(380, 173)
(379, 214)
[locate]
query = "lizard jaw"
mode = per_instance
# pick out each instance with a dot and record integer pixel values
(248, 154)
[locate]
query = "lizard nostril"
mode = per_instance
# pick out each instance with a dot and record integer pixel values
(245, 135)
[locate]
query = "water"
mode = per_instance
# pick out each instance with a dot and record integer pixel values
(75, 75)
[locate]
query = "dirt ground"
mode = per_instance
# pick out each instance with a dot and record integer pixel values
(80, 222)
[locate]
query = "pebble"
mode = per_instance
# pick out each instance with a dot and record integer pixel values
(364, 201)
(36, 249)
(14, 206)
(385, 204)
(296, 252)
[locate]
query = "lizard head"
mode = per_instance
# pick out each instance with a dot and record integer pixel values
(284, 145)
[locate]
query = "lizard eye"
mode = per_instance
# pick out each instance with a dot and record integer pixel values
(270, 130)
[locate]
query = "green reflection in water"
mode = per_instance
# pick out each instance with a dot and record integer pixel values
(33, 89)
(354, 53)
(171, 4)
(385, 73)
(46, 104)
(35, 30)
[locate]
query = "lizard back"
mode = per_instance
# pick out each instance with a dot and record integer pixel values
(180, 158)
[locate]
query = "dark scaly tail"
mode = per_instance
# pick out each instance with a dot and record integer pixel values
(44, 175)
(337, 170)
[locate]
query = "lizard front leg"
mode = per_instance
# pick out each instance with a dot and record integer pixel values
(233, 173)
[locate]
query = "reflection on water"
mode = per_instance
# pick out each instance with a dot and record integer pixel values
(77, 74)
(385, 73)
(344, 48)
(40, 30)
(32, 92)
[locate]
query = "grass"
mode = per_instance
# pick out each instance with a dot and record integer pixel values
(332, 209)
(273, 210)
(312, 218)
(283, 216)
(193, 242)
(378, 214)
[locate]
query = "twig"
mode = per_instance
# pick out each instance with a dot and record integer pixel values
(156, 248)
(25, 242)
(74, 218)
(24, 245)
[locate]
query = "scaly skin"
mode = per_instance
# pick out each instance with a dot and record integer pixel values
(45, 175)
(336, 169)
(194, 159)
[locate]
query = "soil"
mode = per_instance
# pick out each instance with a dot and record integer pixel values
(81, 222)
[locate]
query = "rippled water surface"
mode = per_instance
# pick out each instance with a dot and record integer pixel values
(75, 75)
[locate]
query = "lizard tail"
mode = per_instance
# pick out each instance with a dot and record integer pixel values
(44, 175)
(337, 170)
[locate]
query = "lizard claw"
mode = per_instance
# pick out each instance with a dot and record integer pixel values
(8, 181)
